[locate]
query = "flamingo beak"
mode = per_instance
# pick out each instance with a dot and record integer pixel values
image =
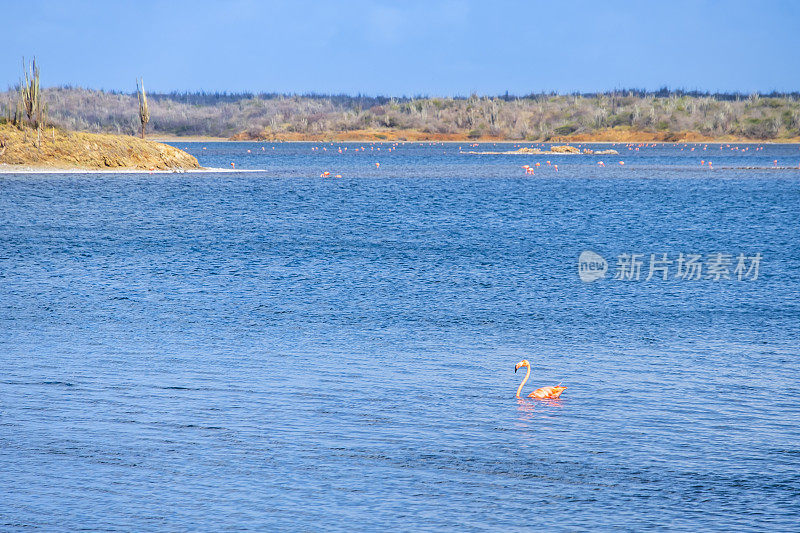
(515, 368)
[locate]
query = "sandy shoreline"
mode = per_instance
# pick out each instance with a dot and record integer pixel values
(176, 140)
(24, 169)
(606, 135)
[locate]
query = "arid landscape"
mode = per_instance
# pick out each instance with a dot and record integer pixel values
(619, 116)
(420, 266)
(60, 149)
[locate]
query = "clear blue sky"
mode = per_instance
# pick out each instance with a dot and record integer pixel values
(434, 47)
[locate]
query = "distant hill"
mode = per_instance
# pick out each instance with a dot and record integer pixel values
(615, 116)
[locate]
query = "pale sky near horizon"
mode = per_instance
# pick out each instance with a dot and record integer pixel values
(436, 47)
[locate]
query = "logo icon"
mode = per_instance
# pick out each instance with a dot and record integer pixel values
(591, 266)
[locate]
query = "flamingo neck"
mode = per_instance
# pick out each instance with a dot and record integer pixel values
(527, 375)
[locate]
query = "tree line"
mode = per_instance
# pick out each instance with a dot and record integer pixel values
(530, 117)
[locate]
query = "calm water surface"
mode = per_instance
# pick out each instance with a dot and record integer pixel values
(272, 350)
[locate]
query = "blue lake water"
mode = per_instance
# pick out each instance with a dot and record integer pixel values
(273, 350)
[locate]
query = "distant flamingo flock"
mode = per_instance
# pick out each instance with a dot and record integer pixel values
(530, 169)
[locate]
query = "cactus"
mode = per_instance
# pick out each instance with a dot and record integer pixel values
(29, 100)
(144, 110)
(31, 96)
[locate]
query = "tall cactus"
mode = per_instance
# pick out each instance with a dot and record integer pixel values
(144, 111)
(30, 97)
(30, 102)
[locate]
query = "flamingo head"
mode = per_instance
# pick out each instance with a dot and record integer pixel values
(522, 363)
